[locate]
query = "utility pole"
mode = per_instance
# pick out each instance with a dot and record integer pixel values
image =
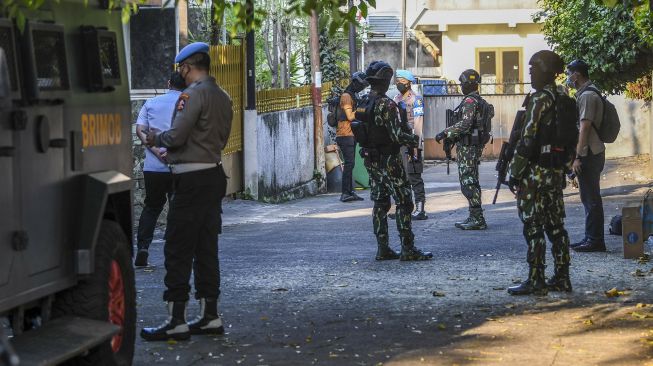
(403, 34)
(318, 137)
(353, 59)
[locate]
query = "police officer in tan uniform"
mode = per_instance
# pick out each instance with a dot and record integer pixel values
(413, 103)
(200, 128)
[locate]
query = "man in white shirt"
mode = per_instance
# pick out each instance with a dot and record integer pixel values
(155, 114)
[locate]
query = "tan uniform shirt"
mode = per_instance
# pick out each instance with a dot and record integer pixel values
(200, 125)
(344, 126)
(414, 105)
(590, 107)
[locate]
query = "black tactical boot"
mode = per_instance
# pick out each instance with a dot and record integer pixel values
(356, 196)
(466, 222)
(533, 285)
(560, 280)
(141, 258)
(384, 252)
(174, 328)
(419, 213)
(410, 253)
(208, 322)
(477, 221)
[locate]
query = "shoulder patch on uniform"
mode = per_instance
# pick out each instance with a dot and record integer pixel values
(469, 100)
(181, 102)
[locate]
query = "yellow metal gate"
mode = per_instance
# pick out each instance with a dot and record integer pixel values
(228, 68)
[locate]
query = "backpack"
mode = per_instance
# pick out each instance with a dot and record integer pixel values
(333, 106)
(565, 132)
(610, 125)
(484, 124)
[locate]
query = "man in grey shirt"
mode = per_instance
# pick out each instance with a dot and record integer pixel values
(590, 156)
(201, 124)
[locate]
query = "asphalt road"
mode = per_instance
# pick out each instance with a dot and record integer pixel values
(300, 286)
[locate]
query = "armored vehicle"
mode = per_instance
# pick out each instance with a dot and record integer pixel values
(66, 279)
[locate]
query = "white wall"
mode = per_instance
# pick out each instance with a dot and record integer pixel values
(459, 44)
(285, 155)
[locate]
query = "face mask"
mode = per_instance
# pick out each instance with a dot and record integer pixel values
(403, 88)
(570, 83)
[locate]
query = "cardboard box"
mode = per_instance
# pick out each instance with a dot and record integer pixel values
(632, 233)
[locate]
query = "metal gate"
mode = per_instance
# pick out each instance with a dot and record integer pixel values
(228, 68)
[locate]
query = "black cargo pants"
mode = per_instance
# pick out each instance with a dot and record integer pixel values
(194, 222)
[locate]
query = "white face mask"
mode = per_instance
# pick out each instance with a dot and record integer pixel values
(571, 83)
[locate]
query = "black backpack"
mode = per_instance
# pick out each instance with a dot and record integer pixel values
(565, 114)
(610, 125)
(335, 113)
(484, 124)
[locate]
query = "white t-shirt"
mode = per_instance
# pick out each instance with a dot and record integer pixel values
(157, 113)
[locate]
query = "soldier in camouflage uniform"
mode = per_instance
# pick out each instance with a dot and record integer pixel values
(539, 188)
(384, 163)
(468, 149)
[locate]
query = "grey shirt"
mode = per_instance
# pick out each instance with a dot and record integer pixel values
(590, 107)
(201, 124)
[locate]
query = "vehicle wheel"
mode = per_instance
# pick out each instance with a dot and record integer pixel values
(109, 294)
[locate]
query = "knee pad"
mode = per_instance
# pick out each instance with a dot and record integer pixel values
(383, 205)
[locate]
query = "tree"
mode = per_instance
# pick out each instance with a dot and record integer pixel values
(15, 9)
(608, 38)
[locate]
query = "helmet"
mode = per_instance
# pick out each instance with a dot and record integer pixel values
(470, 76)
(359, 78)
(547, 62)
(379, 70)
(579, 66)
(405, 74)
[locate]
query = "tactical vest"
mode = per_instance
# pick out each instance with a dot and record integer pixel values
(367, 133)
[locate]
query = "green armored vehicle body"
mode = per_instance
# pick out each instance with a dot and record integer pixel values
(66, 279)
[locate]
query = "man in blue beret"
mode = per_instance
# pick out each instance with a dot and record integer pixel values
(200, 128)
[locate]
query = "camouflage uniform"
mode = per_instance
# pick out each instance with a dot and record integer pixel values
(540, 198)
(388, 178)
(468, 155)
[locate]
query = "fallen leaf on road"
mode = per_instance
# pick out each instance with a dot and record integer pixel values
(639, 273)
(640, 305)
(280, 289)
(341, 285)
(643, 259)
(172, 342)
(265, 318)
(640, 315)
(442, 326)
(588, 322)
(613, 292)
(498, 288)
(437, 294)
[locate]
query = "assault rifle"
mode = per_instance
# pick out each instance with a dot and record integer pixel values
(447, 143)
(508, 149)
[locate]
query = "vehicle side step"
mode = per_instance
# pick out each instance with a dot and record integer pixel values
(61, 339)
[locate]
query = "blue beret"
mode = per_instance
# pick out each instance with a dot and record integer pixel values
(191, 49)
(405, 74)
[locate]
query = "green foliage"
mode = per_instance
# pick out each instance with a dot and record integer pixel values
(334, 59)
(607, 38)
(339, 14)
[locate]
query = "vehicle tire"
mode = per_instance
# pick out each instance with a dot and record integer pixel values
(108, 294)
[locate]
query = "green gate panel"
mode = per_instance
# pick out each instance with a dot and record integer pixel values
(361, 177)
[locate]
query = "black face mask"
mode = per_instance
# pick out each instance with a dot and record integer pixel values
(403, 88)
(468, 88)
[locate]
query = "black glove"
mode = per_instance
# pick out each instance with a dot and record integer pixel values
(513, 184)
(441, 136)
